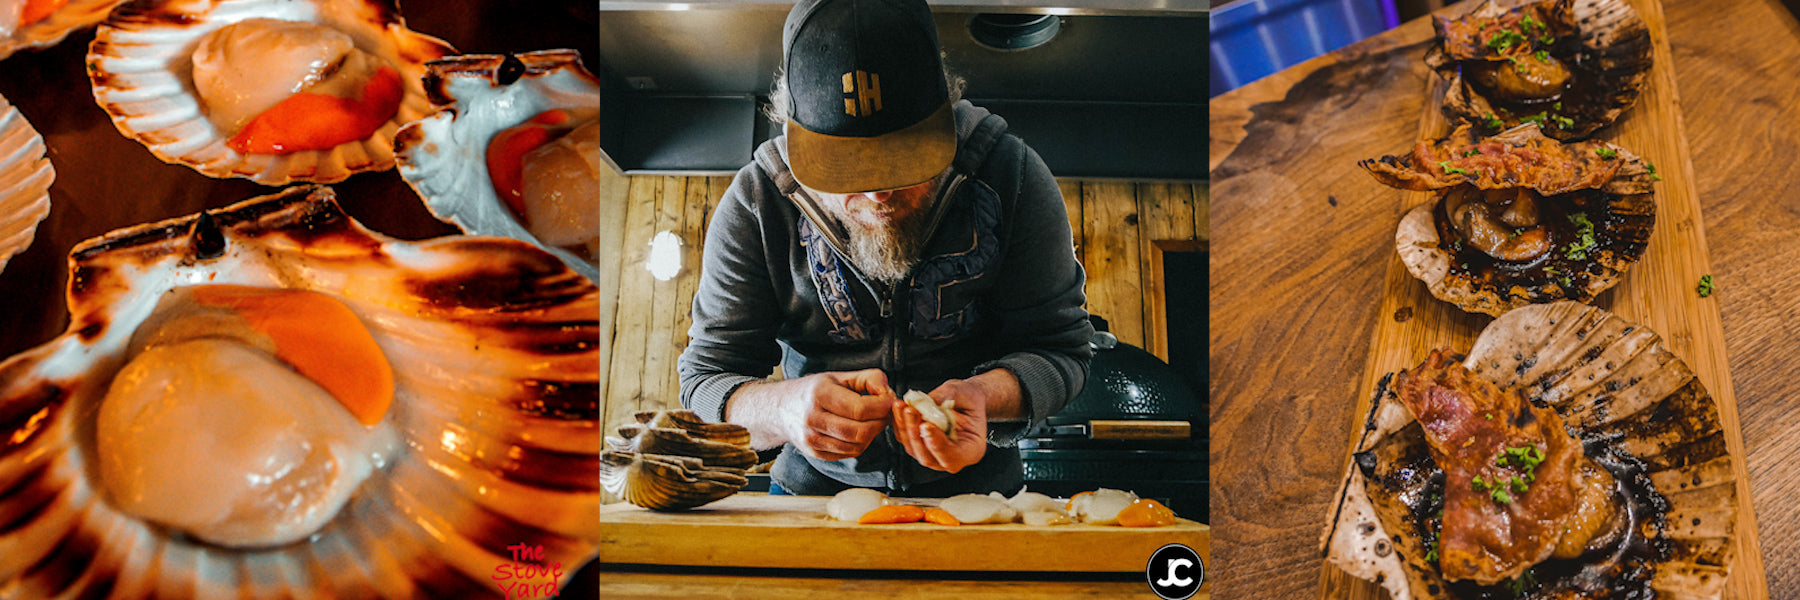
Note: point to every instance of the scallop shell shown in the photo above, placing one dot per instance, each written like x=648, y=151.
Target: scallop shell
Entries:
x=493, y=345
x=25, y=177
x=444, y=156
x=1611, y=50
x=1622, y=210
x=77, y=14
x=674, y=460
x=140, y=66
x=1615, y=384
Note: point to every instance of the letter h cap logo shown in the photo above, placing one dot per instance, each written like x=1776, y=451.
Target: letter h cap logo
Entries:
x=866, y=88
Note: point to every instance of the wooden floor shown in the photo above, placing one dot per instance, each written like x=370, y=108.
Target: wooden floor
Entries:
x=1119, y=229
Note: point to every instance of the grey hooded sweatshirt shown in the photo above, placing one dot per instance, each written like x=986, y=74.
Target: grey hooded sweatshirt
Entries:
x=997, y=286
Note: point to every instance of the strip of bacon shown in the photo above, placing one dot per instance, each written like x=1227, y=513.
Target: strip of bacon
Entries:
x=1520, y=157
x=1502, y=513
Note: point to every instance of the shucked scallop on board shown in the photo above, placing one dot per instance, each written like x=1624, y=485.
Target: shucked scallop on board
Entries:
x=492, y=346
x=275, y=91
x=457, y=159
x=1632, y=404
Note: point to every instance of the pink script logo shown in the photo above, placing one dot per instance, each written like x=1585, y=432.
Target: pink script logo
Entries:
x=528, y=575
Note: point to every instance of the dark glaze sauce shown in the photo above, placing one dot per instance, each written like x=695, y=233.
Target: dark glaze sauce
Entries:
x=1552, y=275
x=1621, y=571
x=1592, y=90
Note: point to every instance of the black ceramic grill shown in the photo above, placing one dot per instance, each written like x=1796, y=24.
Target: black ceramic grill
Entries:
x=1136, y=425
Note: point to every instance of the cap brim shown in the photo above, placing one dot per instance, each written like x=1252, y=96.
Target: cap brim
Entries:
x=844, y=165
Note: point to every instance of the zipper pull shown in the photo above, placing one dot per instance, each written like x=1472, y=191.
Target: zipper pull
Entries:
x=887, y=307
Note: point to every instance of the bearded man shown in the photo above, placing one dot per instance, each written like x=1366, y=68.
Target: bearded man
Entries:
x=894, y=239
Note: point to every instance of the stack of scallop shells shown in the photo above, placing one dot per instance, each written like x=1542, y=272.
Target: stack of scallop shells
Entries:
x=673, y=460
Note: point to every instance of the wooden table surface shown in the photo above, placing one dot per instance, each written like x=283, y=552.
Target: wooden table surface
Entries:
x=1304, y=239
x=753, y=545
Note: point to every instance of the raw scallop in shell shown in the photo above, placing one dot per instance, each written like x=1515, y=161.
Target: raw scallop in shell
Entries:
x=32, y=24
x=673, y=460
x=1569, y=66
x=1636, y=410
x=1520, y=218
x=446, y=157
x=492, y=345
x=188, y=79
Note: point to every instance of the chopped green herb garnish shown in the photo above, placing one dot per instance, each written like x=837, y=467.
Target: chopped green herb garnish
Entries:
x=1547, y=39
x=1566, y=284
x=1537, y=118
x=1505, y=39
x=1502, y=497
x=1653, y=174
x=1705, y=288
x=1472, y=152
x=1606, y=152
x=1557, y=106
x=1528, y=21
x=1578, y=249
x=1445, y=165
x=1494, y=122
x=1542, y=56
x=1562, y=121
x=1525, y=581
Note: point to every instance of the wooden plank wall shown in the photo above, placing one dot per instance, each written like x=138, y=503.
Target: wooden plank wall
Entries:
x=1115, y=225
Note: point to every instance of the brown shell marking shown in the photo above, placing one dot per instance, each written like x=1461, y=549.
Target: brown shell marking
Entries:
x=1610, y=55
x=1620, y=390
x=499, y=69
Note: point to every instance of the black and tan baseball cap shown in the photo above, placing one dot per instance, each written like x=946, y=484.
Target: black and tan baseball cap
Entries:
x=868, y=106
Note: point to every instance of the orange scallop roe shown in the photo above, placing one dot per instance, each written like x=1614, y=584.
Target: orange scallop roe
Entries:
x=38, y=10
x=940, y=517
x=307, y=121
x=506, y=155
x=320, y=338
x=892, y=513
x=1071, y=504
x=1146, y=513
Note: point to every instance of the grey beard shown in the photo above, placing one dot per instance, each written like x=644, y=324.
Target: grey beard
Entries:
x=887, y=254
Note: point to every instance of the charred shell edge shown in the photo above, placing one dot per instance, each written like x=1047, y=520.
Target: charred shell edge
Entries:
x=1607, y=377
x=1611, y=29
x=1629, y=200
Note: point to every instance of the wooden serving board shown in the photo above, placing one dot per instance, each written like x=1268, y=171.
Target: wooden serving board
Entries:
x=1659, y=291
x=792, y=532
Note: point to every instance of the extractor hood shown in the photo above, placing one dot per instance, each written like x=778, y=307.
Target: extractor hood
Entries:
x=1113, y=90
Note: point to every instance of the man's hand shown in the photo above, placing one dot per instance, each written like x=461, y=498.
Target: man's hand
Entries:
x=829, y=416
x=929, y=445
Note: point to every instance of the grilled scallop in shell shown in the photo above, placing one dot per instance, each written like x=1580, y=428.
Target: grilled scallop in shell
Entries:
x=1569, y=66
x=1634, y=409
x=673, y=460
x=1520, y=218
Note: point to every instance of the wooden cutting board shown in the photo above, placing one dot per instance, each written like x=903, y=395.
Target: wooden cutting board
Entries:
x=792, y=532
x=1659, y=291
